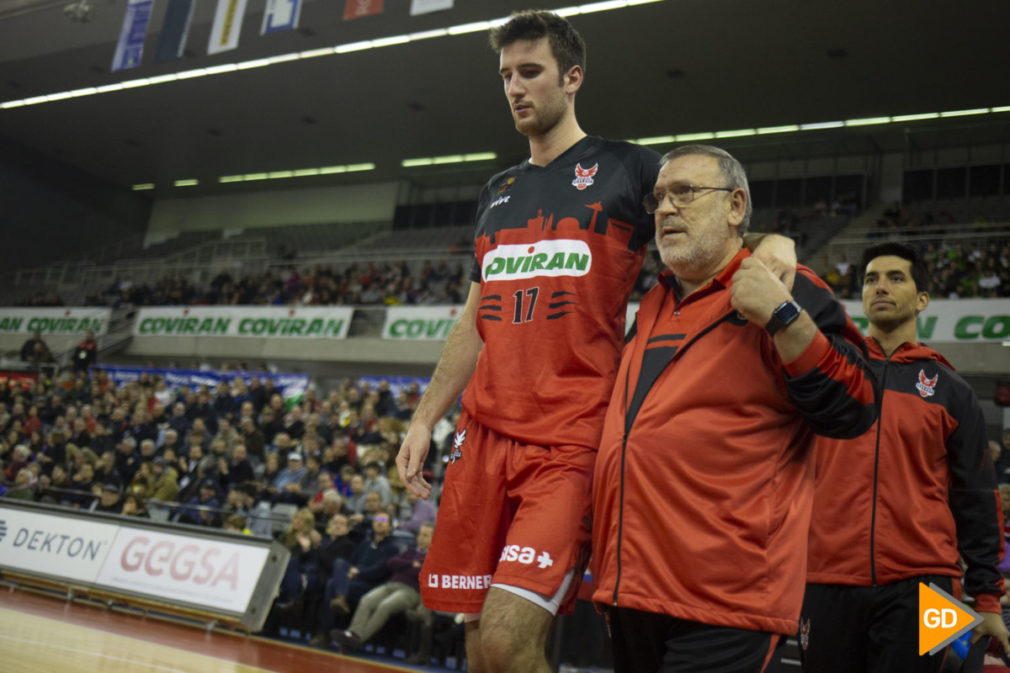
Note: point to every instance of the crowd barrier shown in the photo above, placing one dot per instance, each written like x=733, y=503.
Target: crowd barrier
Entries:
x=212, y=573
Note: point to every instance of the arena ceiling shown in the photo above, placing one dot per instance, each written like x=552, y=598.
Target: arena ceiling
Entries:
x=668, y=67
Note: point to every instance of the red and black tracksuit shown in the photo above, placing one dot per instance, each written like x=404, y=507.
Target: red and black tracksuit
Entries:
x=704, y=476
x=898, y=505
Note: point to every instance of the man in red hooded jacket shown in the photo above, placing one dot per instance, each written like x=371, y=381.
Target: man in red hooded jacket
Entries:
x=901, y=503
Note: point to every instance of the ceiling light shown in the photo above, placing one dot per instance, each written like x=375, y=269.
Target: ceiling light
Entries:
x=604, y=6
x=965, y=113
x=190, y=74
x=739, y=133
x=188, y=182
x=914, y=118
x=390, y=41
x=218, y=69
x=143, y=187
x=469, y=27
x=256, y=63
x=821, y=125
x=312, y=53
x=353, y=46
x=426, y=34
x=691, y=137
x=656, y=140
x=788, y=128
x=867, y=121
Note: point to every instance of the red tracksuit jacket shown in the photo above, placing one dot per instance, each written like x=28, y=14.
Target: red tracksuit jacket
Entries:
x=704, y=477
x=916, y=491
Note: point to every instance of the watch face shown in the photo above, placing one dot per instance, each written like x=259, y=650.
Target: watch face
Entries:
x=783, y=316
x=788, y=312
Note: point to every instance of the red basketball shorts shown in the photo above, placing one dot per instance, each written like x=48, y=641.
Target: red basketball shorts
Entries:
x=511, y=513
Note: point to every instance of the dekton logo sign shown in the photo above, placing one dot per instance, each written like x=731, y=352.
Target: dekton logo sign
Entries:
x=561, y=257
x=57, y=543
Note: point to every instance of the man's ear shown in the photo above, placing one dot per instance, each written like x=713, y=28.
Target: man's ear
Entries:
x=573, y=79
x=737, y=207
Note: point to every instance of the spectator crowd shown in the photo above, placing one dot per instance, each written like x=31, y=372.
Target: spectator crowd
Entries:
x=957, y=270
x=389, y=284
x=316, y=474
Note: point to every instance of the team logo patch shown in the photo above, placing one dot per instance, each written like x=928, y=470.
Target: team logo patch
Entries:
x=584, y=176
x=804, y=633
x=926, y=386
x=505, y=186
x=457, y=444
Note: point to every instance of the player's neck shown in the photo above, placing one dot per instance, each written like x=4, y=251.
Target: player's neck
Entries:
x=891, y=340
x=549, y=146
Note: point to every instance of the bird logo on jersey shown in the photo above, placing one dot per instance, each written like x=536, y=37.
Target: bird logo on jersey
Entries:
x=457, y=444
x=926, y=386
x=584, y=176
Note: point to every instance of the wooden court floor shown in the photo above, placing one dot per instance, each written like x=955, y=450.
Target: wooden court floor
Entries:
x=39, y=634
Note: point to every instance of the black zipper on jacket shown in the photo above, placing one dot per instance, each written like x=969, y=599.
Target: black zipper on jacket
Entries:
x=876, y=468
x=620, y=511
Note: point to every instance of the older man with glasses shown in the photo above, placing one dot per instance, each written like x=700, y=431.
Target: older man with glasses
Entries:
x=703, y=485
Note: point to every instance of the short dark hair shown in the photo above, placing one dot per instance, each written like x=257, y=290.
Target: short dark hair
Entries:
x=919, y=273
x=567, y=46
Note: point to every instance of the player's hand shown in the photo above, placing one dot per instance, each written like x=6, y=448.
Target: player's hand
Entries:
x=756, y=292
x=410, y=460
x=779, y=254
x=992, y=625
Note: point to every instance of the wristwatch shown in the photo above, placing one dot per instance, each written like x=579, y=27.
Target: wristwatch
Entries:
x=783, y=316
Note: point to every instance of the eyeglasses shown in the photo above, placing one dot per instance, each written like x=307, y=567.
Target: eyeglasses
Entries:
x=383, y=519
x=679, y=195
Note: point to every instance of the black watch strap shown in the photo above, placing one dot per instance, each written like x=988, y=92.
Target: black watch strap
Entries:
x=783, y=316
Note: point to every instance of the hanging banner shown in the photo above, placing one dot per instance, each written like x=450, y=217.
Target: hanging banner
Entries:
x=355, y=9
x=130, y=47
x=420, y=322
x=76, y=321
x=290, y=385
x=944, y=321
x=174, y=30
x=953, y=320
x=428, y=6
x=281, y=15
x=303, y=322
x=227, y=26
